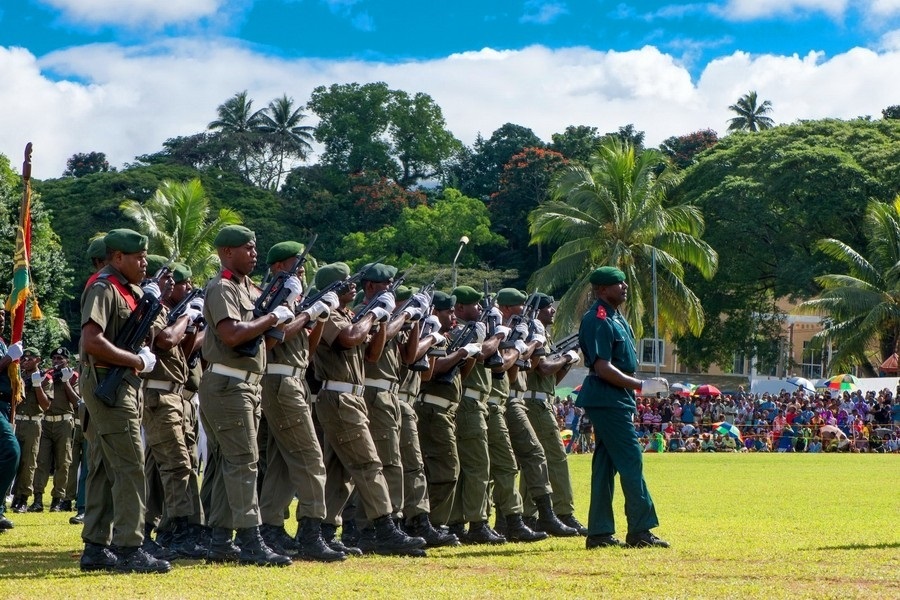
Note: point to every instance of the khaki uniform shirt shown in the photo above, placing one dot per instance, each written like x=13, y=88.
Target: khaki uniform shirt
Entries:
x=170, y=364
x=230, y=297
x=479, y=378
x=335, y=364
x=59, y=400
x=29, y=406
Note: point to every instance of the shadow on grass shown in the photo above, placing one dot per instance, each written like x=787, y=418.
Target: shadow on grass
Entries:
x=34, y=564
x=881, y=546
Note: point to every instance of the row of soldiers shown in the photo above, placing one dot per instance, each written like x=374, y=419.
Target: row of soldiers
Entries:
x=423, y=406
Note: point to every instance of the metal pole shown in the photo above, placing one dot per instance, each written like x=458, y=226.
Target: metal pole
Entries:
x=655, y=316
x=462, y=242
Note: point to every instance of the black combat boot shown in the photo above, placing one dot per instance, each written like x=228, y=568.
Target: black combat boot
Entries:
x=459, y=530
x=517, y=531
x=350, y=533
x=221, y=548
x=97, y=557
x=55, y=505
x=548, y=521
x=136, y=560
x=499, y=523
x=420, y=526
x=310, y=544
x=38, y=504
x=278, y=540
x=571, y=521
x=366, y=542
x=328, y=534
x=254, y=550
x=154, y=548
x=183, y=543
x=20, y=504
x=480, y=533
x=65, y=505
x=390, y=540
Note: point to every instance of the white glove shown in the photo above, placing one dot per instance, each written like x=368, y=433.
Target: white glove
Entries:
x=421, y=300
x=495, y=315
x=472, y=349
x=152, y=289
x=331, y=299
x=539, y=328
x=36, y=379
x=521, y=346
x=197, y=304
x=67, y=373
x=319, y=310
x=573, y=356
x=283, y=314
x=413, y=311
x=522, y=330
x=432, y=322
x=503, y=331
x=656, y=385
x=149, y=359
x=295, y=286
x=15, y=351
x=480, y=332
x=192, y=314
x=387, y=302
x=437, y=338
x=381, y=314
x=538, y=337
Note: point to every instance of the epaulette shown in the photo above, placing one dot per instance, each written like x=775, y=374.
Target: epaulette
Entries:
x=601, y=312
x=228, y=274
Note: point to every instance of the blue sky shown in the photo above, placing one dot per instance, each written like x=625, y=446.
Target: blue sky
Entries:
x=121, y=76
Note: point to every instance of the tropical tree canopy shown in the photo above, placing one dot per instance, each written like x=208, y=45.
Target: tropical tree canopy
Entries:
x=751, y=116
x=614, y=212
x=862, y=304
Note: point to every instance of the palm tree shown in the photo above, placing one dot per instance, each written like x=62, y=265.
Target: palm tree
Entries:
x=612, y=213
x=750, y=116
x=281, y=121
x=239, y=123
x=864, y=304
x=176, y=219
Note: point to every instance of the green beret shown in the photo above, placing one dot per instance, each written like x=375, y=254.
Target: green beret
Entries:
x=180, y=272
x=96, y=249
x=61, y=351
x=283, y=251
x=443, y=301
x=402, y=293
x=358, y=298
x=379, y=273
x=606, y=276
x=328, y=274
x=510, y=297
x=155, y=262
x=31, y=351
x=232, y=236
x=543, y=300
x=467, y=295
x=125, y=240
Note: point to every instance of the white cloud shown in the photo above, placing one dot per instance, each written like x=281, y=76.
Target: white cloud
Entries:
x=542, y=12
x=745, y=10
x=137, y=13
x=126, y=102
x=884, y=8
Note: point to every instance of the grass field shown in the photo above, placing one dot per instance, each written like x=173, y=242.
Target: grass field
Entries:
x=741, y=526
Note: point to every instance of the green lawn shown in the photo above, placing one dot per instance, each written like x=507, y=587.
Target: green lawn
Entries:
x=741, y=526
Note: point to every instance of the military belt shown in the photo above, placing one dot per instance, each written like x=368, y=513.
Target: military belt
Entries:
x=383, y=384
x=240, y=374
x=516, y=396
x=286, y=370
x=540, y=396
x=496, y=400
x=474, y=394
x=36, y=418
x=343, y=387
x=436, y=400
x=163, y=386
x=406, y=397
x=58, y=418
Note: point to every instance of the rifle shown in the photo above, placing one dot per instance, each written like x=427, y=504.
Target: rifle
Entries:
x=392, y=288
x=336, y=287
x=422, y=364
x=427, y=289
x=464, y=336
x=570, y=342
x=487, y=303
x=132, y=337
x=527, y=316
x=274, y=294
x=180, y=308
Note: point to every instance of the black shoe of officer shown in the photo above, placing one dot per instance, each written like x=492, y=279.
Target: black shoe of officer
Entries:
x=480, y=533
x=605, y=540
x=65, y=505
x=5, y=524
x=571, y=521
x=78, y=518
x=182, y=540
x=278, y=540
x=97, y=557
x=391, y=541
x=328, y=534
x=420, y=526
x=137, y=560
x=644, y=539
x=37, y=506
x=311, y=546
x=55, y=505
x=517, y=531
x=221, y=547
x=548, y=521
x=254, y=550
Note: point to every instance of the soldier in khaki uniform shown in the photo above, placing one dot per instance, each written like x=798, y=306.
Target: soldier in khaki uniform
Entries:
x=115, y=489
x=29, y=417
x=519, y=436
x=351, y=455
x=57, y=432
x=168, y=462
x=229, y=400
x=546, y=372
x=295, y=465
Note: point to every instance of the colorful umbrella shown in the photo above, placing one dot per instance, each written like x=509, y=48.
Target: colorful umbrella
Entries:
x=576, y=390
x=803, y=384
x=726, y=428
x=843, y=382
x=682, y=387
x=707, y=390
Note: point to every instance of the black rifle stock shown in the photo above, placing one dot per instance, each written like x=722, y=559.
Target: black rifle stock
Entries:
x=570, y=342
x=180, y=308
x=370, y=305
x=466, y=335
x=131, y=338
x=487, y=303
x=274, y=294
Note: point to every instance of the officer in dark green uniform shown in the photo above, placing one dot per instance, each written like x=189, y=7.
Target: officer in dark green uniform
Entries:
x=607, y=395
